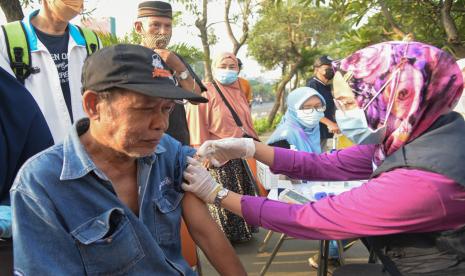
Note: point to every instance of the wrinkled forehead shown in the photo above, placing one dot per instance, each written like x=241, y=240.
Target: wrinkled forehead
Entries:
x=136, y=99
x=150, y=20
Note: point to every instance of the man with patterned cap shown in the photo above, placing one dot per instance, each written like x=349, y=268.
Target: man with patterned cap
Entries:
x=154, y=24
x=108, y=200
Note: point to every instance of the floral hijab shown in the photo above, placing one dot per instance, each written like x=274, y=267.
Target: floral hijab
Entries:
x=424, y=83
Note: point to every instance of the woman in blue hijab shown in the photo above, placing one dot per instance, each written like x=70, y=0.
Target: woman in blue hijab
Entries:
x=299, y=128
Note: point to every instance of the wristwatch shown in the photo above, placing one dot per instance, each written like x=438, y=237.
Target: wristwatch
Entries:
x=184, y=75
x=222, y=193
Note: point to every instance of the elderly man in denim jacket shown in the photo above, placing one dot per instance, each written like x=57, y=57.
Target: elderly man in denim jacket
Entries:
x=108, y=199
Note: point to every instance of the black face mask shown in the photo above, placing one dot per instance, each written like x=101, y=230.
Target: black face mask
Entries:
x=329, y=73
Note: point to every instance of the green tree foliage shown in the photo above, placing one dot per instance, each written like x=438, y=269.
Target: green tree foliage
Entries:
x=436, y=22
x=191, y=54
x=199, y=9
x=262, y=126
x=384, y=20
x=264, y=89
x=290, y=35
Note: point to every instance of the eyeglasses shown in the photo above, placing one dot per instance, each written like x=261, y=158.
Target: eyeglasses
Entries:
x=310, y=110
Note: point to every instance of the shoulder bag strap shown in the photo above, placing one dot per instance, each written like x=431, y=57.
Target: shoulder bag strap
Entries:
x=233, y=113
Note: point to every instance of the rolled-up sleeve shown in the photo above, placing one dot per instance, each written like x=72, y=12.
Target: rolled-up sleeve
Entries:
x=353, y=163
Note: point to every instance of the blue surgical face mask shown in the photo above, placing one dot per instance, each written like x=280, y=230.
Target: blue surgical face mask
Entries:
x=353, y=124
x=225, y=76
x=309, y=118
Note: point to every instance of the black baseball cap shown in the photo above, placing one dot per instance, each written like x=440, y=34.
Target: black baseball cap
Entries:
x=135, y=68
x=323, y=60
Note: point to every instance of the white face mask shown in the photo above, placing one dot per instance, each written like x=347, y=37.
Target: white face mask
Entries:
x=309, y=118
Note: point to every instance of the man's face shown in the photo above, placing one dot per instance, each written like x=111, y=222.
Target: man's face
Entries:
x=155, y=31
x=158, y=25
x=132, y=123
x=321, y=70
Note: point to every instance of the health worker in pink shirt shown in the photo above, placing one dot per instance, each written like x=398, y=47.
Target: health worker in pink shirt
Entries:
x=395, y=101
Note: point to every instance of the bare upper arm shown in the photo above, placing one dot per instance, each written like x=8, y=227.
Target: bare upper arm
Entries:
x=196, y=215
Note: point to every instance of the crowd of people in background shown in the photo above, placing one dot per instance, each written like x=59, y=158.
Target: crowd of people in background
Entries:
x=105, y=150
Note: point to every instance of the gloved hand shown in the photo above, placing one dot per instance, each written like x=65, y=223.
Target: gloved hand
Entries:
x=200, y=182
x=221, y=151
x=5, y=221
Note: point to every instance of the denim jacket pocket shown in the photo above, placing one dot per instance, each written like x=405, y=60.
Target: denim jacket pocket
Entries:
x=108, y=243
x=168, y=215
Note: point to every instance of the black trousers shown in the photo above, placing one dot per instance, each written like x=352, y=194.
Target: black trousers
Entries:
x=6, y=257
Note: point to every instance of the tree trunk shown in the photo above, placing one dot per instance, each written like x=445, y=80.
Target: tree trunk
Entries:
x=296, y=81
x=280, y=90
x=201, y=24
x=450, y=28
x=12, y=10
x=395, y=27
x=237, y=44
x=282, y=104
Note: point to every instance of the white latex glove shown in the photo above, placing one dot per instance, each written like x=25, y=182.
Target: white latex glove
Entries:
x=200, y=182
x=218, y=152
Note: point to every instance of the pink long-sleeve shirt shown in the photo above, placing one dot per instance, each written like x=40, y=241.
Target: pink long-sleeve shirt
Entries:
x=398, y=201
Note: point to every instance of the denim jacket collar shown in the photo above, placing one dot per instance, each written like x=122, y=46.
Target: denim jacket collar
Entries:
x=77, y=162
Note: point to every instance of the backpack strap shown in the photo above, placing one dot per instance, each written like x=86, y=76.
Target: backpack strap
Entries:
x=18, y=49
x=91, y=38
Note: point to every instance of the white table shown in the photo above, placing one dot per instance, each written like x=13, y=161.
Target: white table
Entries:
x=312, y=190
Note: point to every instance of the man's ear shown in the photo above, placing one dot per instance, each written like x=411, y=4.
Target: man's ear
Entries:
x=90, y=100
x=138, y=26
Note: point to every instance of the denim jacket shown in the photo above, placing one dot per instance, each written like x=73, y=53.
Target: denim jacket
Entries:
x=67, y=219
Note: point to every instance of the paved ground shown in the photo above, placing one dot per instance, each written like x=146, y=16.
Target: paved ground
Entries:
x=291, y=260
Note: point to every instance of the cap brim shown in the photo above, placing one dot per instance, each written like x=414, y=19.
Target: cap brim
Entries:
x=165, y=91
